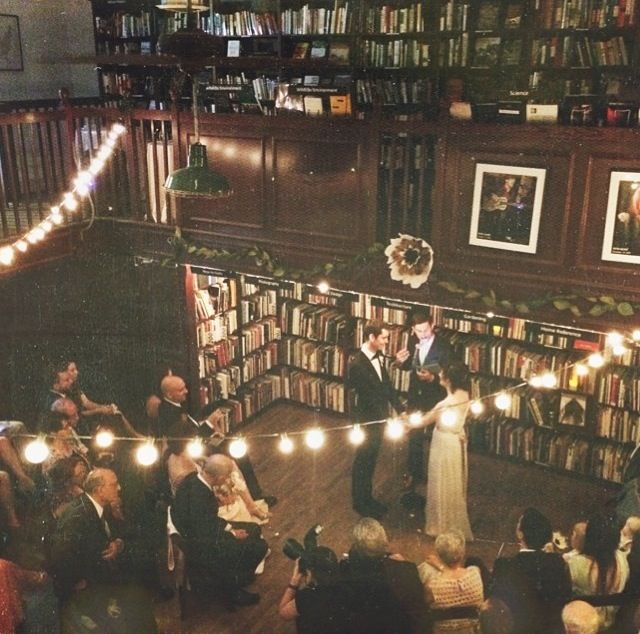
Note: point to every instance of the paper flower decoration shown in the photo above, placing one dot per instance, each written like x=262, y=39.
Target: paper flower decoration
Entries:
x=410, y=260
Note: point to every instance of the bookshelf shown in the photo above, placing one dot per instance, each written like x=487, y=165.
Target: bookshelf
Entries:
x=286, y=340
x=403, y=57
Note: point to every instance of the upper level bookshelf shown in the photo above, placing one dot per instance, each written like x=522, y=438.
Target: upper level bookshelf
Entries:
x=345, y=57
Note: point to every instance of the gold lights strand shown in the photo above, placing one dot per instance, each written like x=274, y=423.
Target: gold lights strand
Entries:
x=70, y=202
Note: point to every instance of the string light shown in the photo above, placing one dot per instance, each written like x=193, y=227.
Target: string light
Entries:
x=477, y=407
x=595, y=360
x=21, y=245
x=581, y=369
x=536, y=381
x=449, y=417
x=285, y=445
x=314, y=438
x=46, y=225
x=147, y=454
x=356, y=435
x=503, y=400
x=549, y=380
x=104, y=438
x=238, y=448
x=635, y=335
x=195, y=448
x=7, y=254
x=415, y=418
x=36, y=451
x=395, y=429
x=323, y=286
x=70, y=201
x=615, y=339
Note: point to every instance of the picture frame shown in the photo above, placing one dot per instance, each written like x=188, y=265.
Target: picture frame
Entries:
x=621, y=241
x=506, y=207
x=10, y=43
x=573, y=409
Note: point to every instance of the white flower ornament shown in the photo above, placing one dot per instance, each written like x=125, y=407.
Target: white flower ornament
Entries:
x=410, y=260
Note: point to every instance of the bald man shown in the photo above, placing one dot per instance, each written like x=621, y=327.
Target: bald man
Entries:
x=580, y=617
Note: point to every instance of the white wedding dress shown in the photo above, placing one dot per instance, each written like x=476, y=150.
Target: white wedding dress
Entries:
x=447, y=471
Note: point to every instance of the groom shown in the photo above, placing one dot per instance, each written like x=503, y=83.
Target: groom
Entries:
x=375, y=400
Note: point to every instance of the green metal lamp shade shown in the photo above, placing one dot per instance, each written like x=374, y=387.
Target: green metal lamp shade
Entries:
x=197, y=179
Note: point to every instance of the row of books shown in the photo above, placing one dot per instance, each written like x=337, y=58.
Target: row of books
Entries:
x=395, y=91
x=454, y=15
x=618, y=424
x=258, y=362
x=261, y=392
x=117, y=47
x=312, y=390
x=116, y=83
x=212, y=302
x=215, y=329
x=124, y=25
x=220, y=385
x=579, y=52
x=620, y=388
x=584, y=14
x=232, y=416
x=239, y=24
x=400, y=53
x=319, y=323
x=316, y=20
x=222, y=290
x=454, y=51
x=258, y=305
x=393, y=19
x=218, y=356
x=313, y=357
x=259, y=333
x=600, y=458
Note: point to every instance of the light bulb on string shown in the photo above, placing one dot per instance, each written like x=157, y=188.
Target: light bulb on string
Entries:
x=104, y=438
x=395, y=429
x=415, y=418
x=536, y=381
x=491, y=315
x=595, y=360
x=82, y=191
x=36, y=451
x=22, y=246
x=635, y=335
x=7, y=254
x=449, y=417
x=38, y=233
x=56, y=216
x=314, y=438
x=103, y=153
x=46, y=225
x=118, y=128
x=614, y=339
x=31, y=238
x=84, y=178
x=582, y=369
x=96, y=166
x=503, y=401
x=195, y=448
x=477, y=407
x=70, y=201
x=147, y=454
x=618, y=350
x=323, y=286
x=285, y=445
x=549, y=380
x=238, y=448
x=356, y=435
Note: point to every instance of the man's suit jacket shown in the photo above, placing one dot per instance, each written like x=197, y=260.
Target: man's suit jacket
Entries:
x=77, y=546
x=424, y=395
x=373, y=396
x=175, y=422
x=534, y=585
x=195, y=514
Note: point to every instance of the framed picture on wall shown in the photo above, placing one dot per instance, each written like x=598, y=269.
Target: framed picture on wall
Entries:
x=622, y=225
x=507, y=201
x=10, y=46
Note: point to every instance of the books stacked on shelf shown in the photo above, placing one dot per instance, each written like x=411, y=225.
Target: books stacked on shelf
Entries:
x=319, y=323
x=313, y=357
x=260, y=361
x=454, y=15
x=261, y=392
x=222, y=291
x=393, y=19
x=618, y=424
x=123, y=25
x=231, y=416
x=454, y=51
x=560, y=14
x=314, y=391
x=220, y=384
x=620, y=388
x=399, y=378
x=256, y=305
x=257, y=334
x=398, y=53
x=216, y=356
x=317, y=20
x=579, y=51
x=239, y=24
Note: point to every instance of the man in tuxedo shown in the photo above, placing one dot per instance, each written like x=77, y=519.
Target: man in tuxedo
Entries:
x=218, y=554
x=89, y=563
x=534, y=584
x=175, y=422
x=375, y=400
x=426, y=352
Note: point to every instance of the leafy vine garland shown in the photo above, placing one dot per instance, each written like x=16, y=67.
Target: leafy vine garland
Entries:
x=576, y=303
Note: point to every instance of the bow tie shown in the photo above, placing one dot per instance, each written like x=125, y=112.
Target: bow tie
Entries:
x=379, y=355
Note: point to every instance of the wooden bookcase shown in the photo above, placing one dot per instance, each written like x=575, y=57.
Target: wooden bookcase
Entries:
x=404, y=57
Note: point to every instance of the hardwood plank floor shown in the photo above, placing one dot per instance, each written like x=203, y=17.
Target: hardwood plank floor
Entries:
x=314, y=487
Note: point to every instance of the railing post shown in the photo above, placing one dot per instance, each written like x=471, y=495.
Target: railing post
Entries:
x=176, y=140
x=132, y=152
x=67, y=108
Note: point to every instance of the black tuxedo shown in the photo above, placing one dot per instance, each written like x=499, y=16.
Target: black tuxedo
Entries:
x=212, y=551
x=374, y=397
x=422, y=397
x=534, y=585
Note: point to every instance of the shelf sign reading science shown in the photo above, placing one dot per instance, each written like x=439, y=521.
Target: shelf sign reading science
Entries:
x=507, y=201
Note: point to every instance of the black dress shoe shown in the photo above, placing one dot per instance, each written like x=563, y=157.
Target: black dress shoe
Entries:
x=242, y=598
x=271, y=500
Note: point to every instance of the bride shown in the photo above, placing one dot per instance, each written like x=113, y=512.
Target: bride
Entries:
x=446, y=507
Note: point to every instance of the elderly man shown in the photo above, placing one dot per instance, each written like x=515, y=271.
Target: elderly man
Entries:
x=219, y=555
x=580, y=617
x=88, y=566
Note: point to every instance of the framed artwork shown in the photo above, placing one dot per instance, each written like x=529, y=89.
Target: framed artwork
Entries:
x=573, y=409
x=622, y=225
x=507, y=201
x=10, y=46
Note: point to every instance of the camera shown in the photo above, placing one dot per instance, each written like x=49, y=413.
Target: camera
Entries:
x=293, y=549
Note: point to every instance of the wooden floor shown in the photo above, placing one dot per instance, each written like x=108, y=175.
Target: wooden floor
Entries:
x=314, y=487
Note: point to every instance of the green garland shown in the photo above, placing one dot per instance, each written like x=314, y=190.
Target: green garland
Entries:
x=576, y=303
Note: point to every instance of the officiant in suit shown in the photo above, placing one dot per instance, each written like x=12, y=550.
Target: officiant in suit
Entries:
x=423, y=357
x=375, y=400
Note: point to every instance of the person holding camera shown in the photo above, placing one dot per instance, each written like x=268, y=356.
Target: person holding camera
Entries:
x=315, y=596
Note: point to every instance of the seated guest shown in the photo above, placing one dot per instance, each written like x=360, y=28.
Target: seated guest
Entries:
x=533, y=584
x=61, y=424
x=64, y=482
x=601, y=568
x=576, y=540
x=630, y=529
x=89, y=563
x=179, y=462
x=384, y=592
x=315, y=596
x=580, y=617
x=454, y=585
x=219, y=554
x=60, y=385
